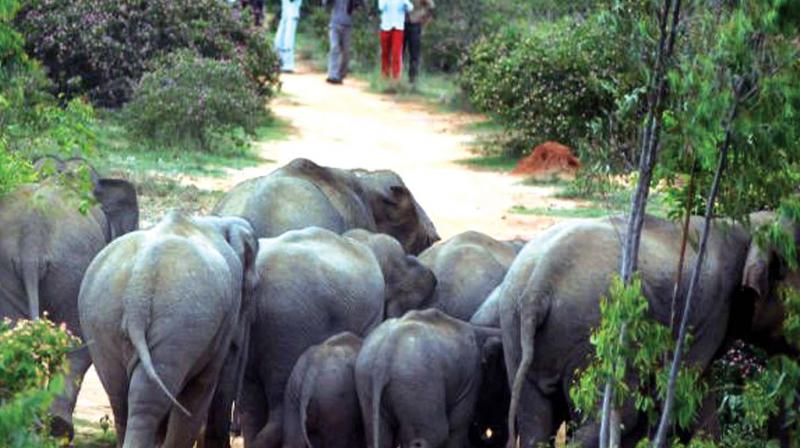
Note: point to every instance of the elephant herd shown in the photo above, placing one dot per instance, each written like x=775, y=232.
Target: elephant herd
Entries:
x=313, y=309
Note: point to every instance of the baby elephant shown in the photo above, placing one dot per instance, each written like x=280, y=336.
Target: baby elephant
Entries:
x=160, y=309
x=321, y=402
x=419, y=378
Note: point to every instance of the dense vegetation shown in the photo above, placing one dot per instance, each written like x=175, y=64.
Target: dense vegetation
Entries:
x=33, y=362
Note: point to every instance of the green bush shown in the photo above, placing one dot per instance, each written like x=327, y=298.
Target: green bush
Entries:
x=31, y=120
x=33, y=361
x=549, y=82
x=103, y=47
x=191, y=100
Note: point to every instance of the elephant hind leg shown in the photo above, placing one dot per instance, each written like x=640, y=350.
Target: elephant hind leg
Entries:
x=537, y=420
x=148, y=407
x=64, y=404
x=252, y=406
x=272, y=434
x=196, y=396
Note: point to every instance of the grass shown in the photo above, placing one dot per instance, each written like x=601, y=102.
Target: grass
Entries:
x=92, y=435
x=120, y=151
x=439, y=89
x=575, y=212
x=500, y=162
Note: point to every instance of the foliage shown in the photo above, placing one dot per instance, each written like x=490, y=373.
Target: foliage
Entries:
x=32, y=121
x=103, y=47
x=32, y=365
x=191, y=99
x=640, y=376
x=551, y=81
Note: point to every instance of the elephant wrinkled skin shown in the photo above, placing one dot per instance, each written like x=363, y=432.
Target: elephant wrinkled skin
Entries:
x=468, y=267
x=321, y=401
x=46, y=244
x=549, y=305
x=160, y=310
x=303, y=194
x=419, y=378
x=314, y=284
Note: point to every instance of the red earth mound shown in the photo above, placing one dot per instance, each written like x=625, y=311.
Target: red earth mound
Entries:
x=550, y=159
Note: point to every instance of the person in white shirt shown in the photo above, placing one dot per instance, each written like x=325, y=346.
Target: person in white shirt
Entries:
x=284, y=38
x=393, y=18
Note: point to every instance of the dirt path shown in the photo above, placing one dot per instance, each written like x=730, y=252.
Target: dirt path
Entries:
x=345, y=126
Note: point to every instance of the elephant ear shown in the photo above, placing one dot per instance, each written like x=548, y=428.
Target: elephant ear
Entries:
x=119, y=203
x=756, y=271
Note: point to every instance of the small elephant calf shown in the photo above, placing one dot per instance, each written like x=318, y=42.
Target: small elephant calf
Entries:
x=321, y=405
x=419, y=379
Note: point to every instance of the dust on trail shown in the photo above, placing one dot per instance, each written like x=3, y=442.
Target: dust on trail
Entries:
x=348, y=127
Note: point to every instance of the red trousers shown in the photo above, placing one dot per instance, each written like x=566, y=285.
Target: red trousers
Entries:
x=392, y=52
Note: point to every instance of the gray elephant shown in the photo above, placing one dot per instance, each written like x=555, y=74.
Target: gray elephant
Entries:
x=313, y=285
x=160, y=310
x=468, y=267
x=419, y=378
x=321, y=404
x=549, y=305
x=303, y=194
x=46, y=244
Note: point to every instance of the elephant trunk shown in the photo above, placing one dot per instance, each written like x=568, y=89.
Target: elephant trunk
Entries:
x=32, y=271
x=527, y=333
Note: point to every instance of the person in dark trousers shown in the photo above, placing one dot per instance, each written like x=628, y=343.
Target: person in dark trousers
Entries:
x=340, y=27
x=412, y=39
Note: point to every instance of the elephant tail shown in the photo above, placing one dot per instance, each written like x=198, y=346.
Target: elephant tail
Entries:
x=140, y=344
x=32, y=271
x=306, y=392
x=528, y=322
x=137, y=302
x=378, y=384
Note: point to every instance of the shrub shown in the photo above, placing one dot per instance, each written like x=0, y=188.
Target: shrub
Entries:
x=33, y=358
x=549, y=82
x=192, y=100
x=31, y=120
x=103, y=47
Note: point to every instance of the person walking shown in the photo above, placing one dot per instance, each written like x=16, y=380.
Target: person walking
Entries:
x=287, y=29
x=412, y=35
x=340, y=27
x=393, y=19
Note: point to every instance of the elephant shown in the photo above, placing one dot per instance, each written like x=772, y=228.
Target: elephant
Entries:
x=468, y=267
x=160, y=309
x=549, y=304
x=303, y=194
x=321, y=401
x=314, y=284
x=46, y=244
x=419, y=377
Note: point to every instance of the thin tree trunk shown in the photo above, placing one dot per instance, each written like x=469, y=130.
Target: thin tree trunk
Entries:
x=668, y=26
x=660, y=439
x=684, y=240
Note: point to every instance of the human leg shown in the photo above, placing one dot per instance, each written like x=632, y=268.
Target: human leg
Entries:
x=386, y=41
x=397, y=52
x=413, y=39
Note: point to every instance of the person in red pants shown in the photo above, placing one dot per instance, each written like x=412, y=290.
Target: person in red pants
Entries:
x=393, y=17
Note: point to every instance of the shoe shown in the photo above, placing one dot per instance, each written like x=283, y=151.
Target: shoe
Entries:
x=333, y=81
x=287, y=70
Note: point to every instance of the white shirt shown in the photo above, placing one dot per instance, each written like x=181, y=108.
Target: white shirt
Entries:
x=291, y=9
x=393, y=13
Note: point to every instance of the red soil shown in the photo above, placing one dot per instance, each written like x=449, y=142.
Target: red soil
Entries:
x=550, y=159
